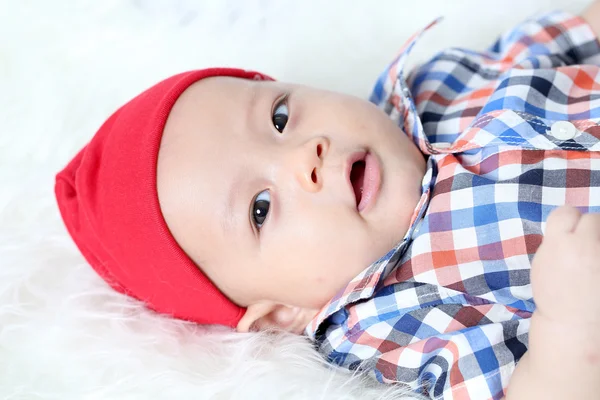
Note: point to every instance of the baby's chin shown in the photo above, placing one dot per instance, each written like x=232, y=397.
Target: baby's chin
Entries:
x=392, y=224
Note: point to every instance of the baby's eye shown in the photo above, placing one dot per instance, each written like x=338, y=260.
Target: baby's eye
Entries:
x=280, y=115
x=260, y=208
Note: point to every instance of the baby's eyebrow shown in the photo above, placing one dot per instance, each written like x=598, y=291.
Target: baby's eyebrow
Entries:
x=251, y=109
x=229, y=222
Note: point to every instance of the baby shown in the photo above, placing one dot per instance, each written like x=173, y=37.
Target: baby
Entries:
x=398, y=234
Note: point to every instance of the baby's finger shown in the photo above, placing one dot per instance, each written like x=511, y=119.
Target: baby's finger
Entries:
x=562, y=220
x=589, y=225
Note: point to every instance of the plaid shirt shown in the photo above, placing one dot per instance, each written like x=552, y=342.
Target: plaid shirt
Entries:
x=510, y=134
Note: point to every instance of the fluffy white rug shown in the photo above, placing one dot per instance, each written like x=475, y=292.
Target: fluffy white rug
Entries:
x=64, y=66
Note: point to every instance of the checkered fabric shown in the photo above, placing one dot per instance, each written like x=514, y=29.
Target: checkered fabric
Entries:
x=447, y=311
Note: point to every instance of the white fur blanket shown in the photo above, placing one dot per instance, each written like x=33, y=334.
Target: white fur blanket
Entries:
x=64, y=66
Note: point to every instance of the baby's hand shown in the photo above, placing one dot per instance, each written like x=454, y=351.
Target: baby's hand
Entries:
x=563, y=360
x=565, y=273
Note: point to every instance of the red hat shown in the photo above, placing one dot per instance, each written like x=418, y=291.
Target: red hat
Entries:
x=109, y=202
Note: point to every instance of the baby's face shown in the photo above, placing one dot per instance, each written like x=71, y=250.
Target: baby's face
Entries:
x=260, y=182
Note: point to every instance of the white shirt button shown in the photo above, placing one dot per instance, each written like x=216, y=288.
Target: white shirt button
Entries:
x=441, y=145
x=563, y=130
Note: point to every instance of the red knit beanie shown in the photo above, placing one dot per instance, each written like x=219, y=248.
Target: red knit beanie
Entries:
x=109, y=202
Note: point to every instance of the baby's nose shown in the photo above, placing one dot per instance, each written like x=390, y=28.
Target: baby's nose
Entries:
x=309, y=164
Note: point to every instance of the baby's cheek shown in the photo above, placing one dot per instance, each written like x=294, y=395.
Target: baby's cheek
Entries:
x=320, y=281
x=328, y=282
x=319, y=290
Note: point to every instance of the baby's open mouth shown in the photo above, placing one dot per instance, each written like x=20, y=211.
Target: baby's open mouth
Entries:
x=364, y=175
x=357, y=178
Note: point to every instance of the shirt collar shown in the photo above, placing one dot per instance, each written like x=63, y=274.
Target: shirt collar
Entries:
x=392, y=94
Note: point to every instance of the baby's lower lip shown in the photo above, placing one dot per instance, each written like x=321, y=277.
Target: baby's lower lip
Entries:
x=371, y=183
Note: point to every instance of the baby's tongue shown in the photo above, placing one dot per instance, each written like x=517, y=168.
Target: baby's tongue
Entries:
x=357, y=176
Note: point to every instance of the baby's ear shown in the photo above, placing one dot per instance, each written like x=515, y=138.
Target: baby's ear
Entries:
x=266, y=315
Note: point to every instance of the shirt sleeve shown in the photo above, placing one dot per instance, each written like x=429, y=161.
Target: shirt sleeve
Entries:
x=563, y=38
x=449, y=351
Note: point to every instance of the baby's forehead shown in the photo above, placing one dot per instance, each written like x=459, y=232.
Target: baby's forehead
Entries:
x=204, y=109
